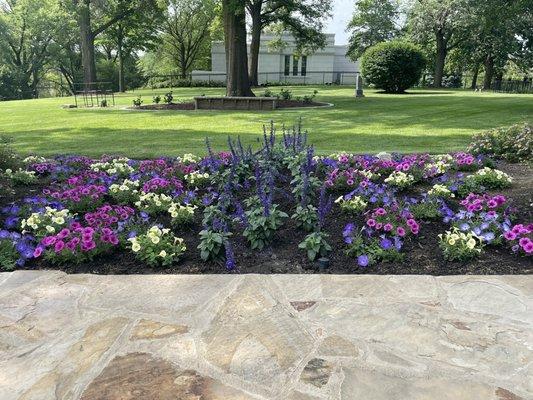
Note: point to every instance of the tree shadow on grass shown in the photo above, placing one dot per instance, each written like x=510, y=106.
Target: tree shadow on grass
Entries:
x=150, y=143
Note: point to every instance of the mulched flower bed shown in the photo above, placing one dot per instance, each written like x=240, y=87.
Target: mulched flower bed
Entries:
x=277, y=210
x=281, y=104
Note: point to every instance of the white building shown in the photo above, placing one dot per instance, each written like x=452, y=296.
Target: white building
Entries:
x=325, y=66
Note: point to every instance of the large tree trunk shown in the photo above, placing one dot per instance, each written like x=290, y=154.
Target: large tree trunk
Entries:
x=474, y=77
x=120, y=45
x=87, y=44
x=440, y=59
x=237, y=83
x=489, y=72
x=255, y=13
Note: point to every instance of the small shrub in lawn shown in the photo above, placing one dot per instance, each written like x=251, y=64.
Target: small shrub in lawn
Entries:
x=285, y=94
x=158, y=247
x=137, y=102
x=393, y=66
x=514, y=143
x=168, y=97
x=460, y=246
x=156, y=99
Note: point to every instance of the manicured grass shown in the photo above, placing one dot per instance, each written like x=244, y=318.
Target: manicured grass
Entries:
x=425, y=120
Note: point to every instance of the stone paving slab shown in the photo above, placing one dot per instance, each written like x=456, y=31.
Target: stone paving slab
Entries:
x=241, y=337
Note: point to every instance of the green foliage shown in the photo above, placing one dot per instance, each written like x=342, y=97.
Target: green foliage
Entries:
x=427, y=210
x=212, y=244
x=285, y=94
x=157, y=99
x=138, y=101
x=8, y=255
x=514, y=143
x=168, y=97
x=393, y=66
x=316, y=245
x=371, y=249
x=21, y=177
x=306, y=217
x=261, y=228
x=9, y=159
x=373, y=22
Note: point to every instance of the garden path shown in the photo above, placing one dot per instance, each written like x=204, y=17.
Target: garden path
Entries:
x=236, y=337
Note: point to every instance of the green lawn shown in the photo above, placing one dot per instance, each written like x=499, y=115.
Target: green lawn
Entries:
x=425, y=120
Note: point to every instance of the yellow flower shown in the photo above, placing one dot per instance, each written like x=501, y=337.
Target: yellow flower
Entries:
x=136, y=247
x=163, y=254
x=451, y=242
x=471, y=243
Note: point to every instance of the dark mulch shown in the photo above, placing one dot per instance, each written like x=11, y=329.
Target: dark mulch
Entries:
x=190, y=106
x=422, y=254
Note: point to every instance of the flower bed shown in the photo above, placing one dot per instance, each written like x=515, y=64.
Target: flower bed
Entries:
x=281, y=209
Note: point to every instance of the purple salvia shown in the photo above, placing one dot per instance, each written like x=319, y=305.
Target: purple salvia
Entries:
x=324, y=206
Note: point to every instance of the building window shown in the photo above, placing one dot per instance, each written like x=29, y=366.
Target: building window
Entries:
x=287, y=65
x=295, y=60
x=304, y=66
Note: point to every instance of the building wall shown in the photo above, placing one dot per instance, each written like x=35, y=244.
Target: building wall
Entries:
x=323, y=66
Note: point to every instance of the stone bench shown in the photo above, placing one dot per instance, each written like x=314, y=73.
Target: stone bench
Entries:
x=235, y=103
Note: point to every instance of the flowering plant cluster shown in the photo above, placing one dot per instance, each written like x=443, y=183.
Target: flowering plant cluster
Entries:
x=491, y=178
x=520, y=238
x=352, y=204
x=116, y=166
x=514, y=143
x=47, y=222
x=93, y=207
x=440, y=191
x=81, y=197
x=76, y=244
x=460, y=246
x=15, y=250
x=127, y=192
x=154, y=203
x=20, y=176
x=400, y=179
x=158, y=247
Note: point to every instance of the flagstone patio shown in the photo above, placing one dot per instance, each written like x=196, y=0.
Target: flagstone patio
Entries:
x=236, y=337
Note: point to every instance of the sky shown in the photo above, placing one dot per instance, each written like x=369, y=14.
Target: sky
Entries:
x=342, y=13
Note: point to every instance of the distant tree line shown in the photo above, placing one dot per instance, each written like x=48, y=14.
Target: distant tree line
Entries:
x=66, y=42
x=459, y=37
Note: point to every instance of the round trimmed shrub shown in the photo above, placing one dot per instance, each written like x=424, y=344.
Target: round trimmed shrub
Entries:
x=393, y=66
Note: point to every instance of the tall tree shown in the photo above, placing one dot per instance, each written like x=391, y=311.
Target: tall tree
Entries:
x=107, y=13
x=234, y=21
x=304, y=19
x=136, y=32
x=28, y=27
x=373, y=21
x=187, y=29
x=441, y=24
